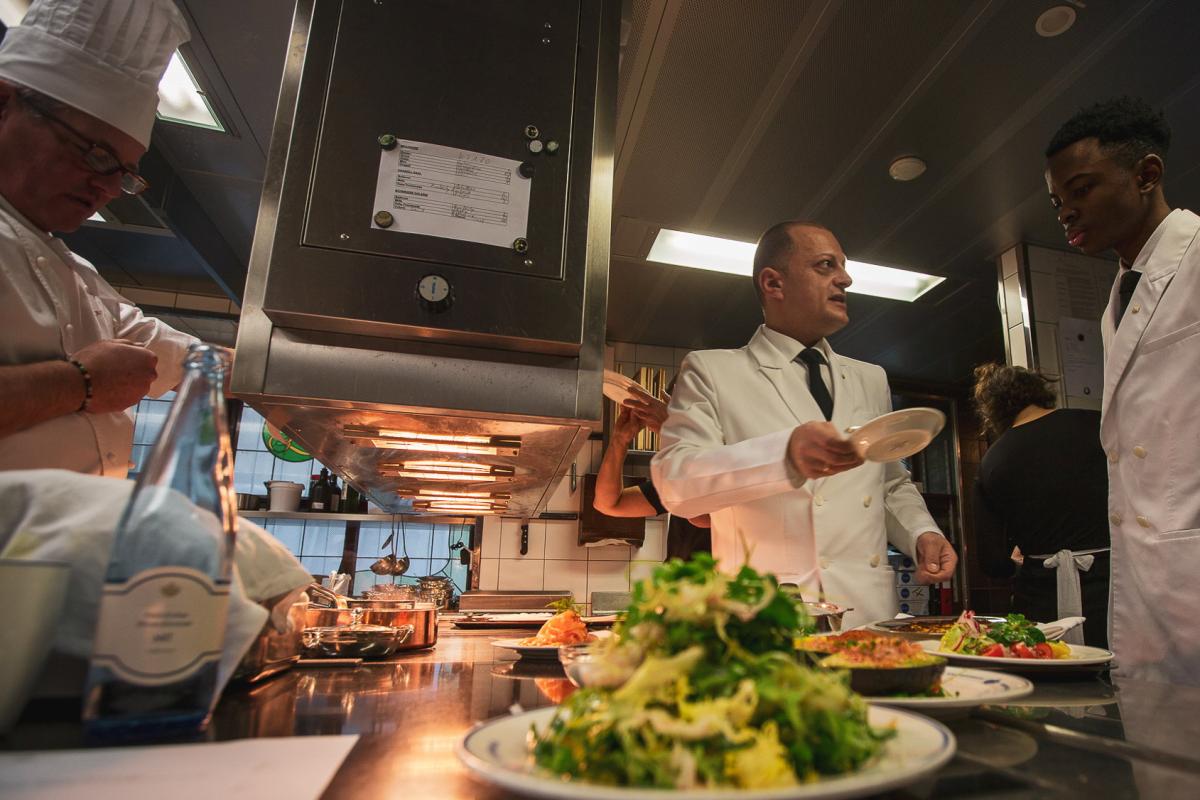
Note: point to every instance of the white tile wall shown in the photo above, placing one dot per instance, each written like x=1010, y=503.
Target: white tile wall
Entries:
x=556, y=561
x=520, y=573
x=562, y=541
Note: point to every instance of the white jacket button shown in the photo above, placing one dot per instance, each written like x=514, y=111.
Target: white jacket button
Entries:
x=1139, y=451
x=825, y=563
x=41, y=261
x=866, y=501
x=819, y=500
x=1112, y=457
x=1136, y=307
x=875, y=560
x=1115, y=519
x=1145, y=523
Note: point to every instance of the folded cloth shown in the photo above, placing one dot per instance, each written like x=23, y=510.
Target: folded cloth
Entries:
x=65, y=516
x=1058, y=629
x=1067, y=566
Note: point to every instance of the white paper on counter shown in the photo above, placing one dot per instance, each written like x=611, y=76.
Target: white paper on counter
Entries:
x=443, y=191
x=295, y=767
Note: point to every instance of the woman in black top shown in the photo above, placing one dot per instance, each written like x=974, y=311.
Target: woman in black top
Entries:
x=1042, y=488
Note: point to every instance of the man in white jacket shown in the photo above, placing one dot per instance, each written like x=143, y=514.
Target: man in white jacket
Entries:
x=754, y=438
x=78, y=94
x=1104, y=173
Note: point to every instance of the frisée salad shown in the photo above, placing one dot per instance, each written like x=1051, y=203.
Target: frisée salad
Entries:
x=707, y=693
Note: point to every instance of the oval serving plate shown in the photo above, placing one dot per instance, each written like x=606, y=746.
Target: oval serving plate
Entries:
x=1083, y=659
x=498, y=752
x=965, y=688
x=897, y=627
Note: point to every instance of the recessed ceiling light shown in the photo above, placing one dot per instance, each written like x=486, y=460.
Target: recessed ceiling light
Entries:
x=1055, y=21
x=906, y=168
x=737, y=258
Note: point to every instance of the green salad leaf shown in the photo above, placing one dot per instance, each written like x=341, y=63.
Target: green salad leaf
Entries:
x=714, y=696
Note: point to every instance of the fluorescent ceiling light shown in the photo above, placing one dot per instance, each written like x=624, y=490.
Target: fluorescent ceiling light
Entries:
x=180, y=98
x=737, y=258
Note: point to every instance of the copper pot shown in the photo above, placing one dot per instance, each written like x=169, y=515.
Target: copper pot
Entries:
x=274, y=651
x=422, y=617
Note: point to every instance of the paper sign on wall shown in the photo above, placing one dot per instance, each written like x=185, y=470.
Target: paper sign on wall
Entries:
x=443, y=191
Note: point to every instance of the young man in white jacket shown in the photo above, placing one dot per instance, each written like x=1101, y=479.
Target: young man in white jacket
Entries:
x=755, y=439
x=1104, y=172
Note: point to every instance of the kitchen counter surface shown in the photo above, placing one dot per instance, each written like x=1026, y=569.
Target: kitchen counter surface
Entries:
x=1070, y=738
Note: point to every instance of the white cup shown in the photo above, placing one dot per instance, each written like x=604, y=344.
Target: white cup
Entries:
x=39, y=589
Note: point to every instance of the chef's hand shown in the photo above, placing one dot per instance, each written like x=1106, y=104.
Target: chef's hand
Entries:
x=651, y=411
x=817, y=450
x=626, y=427
x=936, y=559
x=121, y=371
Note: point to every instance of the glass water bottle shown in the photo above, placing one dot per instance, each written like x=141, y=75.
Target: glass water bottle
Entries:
x=161, y=629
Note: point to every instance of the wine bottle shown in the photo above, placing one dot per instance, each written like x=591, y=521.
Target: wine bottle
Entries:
x=154, y=667
x=318, y=495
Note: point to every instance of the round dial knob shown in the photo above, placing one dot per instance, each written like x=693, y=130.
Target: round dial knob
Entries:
x=434, y=293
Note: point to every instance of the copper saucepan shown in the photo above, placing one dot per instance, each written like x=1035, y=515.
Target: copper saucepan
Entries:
x=422, y=617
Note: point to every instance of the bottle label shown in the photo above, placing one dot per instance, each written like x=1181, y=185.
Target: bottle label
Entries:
x=161, y=626
x=317, y=506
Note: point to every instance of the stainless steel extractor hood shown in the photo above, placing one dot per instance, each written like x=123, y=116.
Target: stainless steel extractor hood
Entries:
x=427, y=290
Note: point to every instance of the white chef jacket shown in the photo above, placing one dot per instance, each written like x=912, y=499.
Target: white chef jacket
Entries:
x=724, y=454
x=1150, y=430
x=53, y=303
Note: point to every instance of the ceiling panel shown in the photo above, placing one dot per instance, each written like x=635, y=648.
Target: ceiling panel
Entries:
x=716, y=61
x=968, y=86
x=866, y=57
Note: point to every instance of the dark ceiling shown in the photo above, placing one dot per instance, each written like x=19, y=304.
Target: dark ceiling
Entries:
x=733, y=116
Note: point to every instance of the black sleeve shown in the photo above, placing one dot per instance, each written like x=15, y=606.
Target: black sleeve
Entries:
x=991, y=541
x=651, y=494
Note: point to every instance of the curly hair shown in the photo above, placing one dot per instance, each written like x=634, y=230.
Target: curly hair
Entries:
x=1002, y=392
x=1127, y=127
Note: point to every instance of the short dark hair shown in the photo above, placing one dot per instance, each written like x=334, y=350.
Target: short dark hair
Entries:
x=1127, y=127
x=1002, y=392
x=775, y=245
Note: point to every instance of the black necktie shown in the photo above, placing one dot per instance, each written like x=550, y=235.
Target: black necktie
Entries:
x=1129, y=282
x=813, y=359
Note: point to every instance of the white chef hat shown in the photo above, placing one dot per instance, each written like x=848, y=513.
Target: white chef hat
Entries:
x=103, y=57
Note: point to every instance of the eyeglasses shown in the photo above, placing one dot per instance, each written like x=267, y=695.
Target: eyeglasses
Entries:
x=98, y=158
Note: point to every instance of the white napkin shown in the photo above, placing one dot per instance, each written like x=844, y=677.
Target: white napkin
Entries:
x=58, y=515
x=1056, y=630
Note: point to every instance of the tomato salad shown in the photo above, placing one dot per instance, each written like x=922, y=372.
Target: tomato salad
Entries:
x=1016, y=637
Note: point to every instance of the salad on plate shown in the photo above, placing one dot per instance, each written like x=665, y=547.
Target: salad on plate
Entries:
x=702, y=689
x=1015, y=637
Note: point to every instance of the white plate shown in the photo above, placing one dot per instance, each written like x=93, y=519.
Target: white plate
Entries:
x=537, y=651
x=618, y=388
x=897, y=435
x=965, y=688
x=1082, y=657
x=498, y=752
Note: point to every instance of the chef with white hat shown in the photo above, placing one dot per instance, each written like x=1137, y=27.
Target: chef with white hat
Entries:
x=78, y=94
